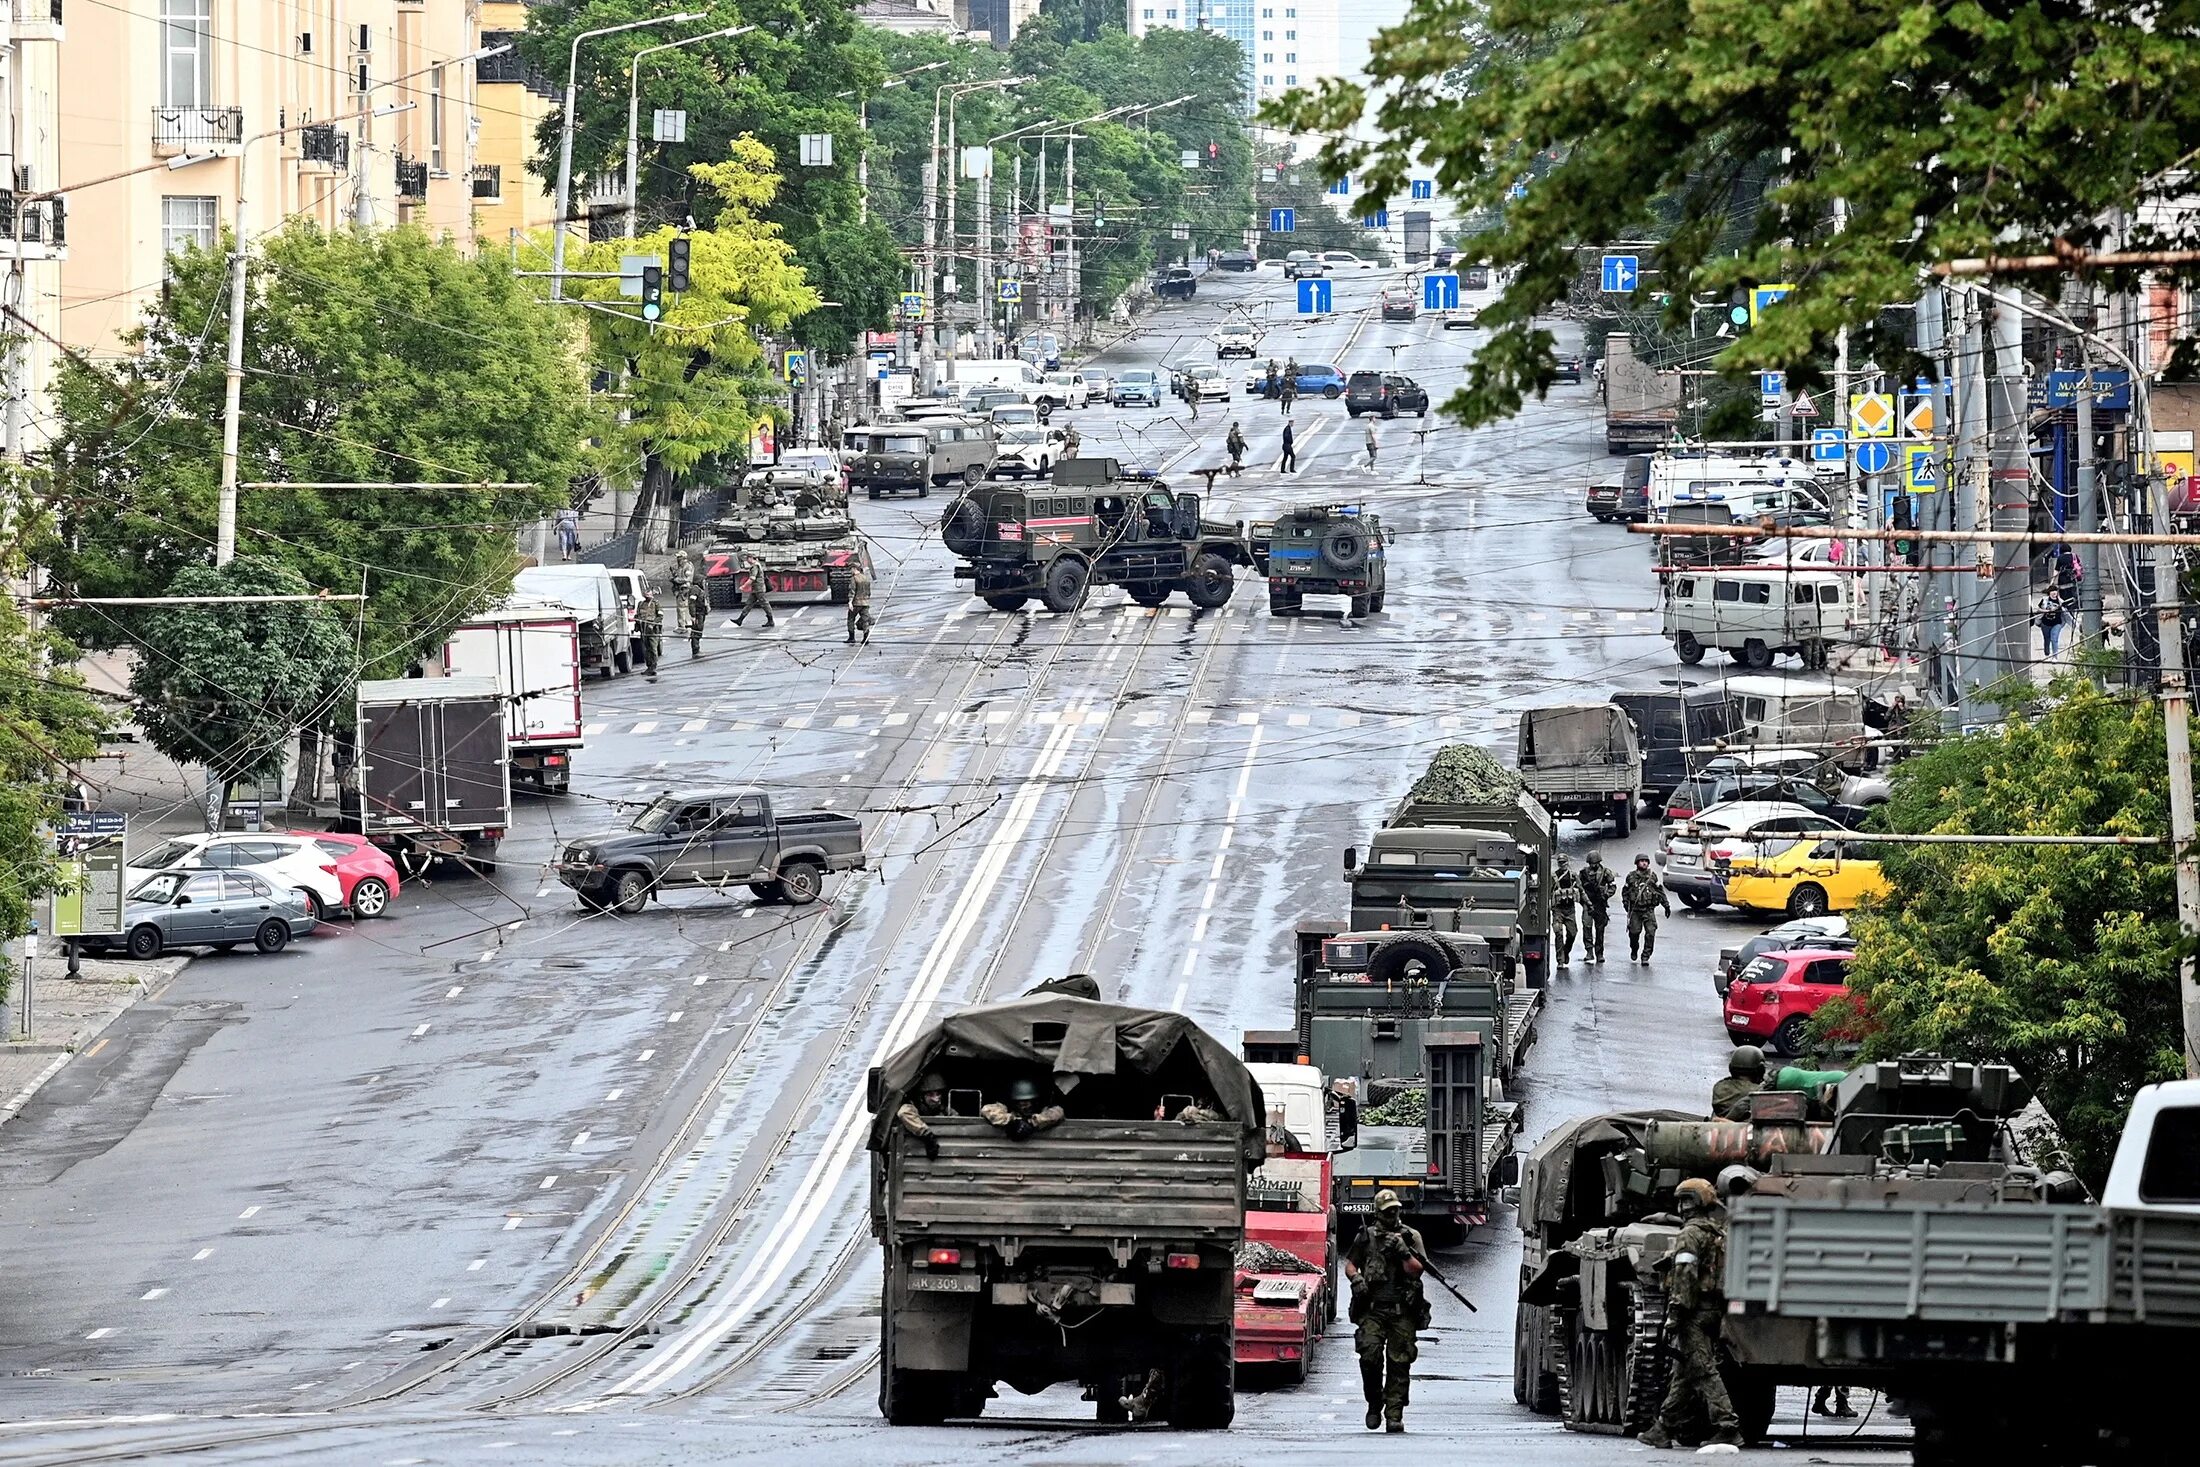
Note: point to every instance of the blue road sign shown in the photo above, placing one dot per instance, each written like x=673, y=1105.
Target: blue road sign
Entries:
x=1620, y=272
x=1439, y=292
x=1283, y=221
x=93, y=822
x=1424, y=188
x=1828, y=445
x=1314, y=298
x=1874, y=456
x=1921, y=469
x=1519, y=191
x=1342, y=185
x=798, y=365
x=1012, y=292
x=1771, y=387
x=1380, y=219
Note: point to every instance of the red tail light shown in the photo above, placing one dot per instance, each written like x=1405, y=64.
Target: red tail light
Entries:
x=1435, y=1169
x=944, y=1257
x=331, y=870
x=1183, y=1260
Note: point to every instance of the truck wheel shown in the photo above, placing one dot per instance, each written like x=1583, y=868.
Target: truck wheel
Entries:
x=1361, y=606
x=1807, y=900
x=1209, y=585
x=1535, y=1385
x=973, y=476
x=1754, y=1396
x=1062, y=588
x=801, y=882
x=1690, y=649
x=1005, y=600
x=1375, y=602
x=145, y=942
x=907, y=1397
x=962, y=528
x=1408, y=960
x=1202, y=1388
x=622, y=663
x=630, y=892
x=1789, y=1038
x=1756, y=654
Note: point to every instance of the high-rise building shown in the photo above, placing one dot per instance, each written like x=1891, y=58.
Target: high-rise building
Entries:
x=34, y=230
x=511, y=102
x=355, y=112
x=1287, y=43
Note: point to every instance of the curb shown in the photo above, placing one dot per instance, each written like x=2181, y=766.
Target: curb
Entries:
x=146, y=992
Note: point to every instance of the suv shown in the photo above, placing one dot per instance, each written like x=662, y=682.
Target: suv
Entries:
x=900, y=457
x=1399, y=305
x=1303, y=265
x=1177, y=283
x=1387, y=393
x=1626, y=498
x=1096, y=524
x=1771, y=1000
x=1236, y=340
x=1322, y=550
x=1237, y=261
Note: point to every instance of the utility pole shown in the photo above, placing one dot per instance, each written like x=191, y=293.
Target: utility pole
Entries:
x=985, y=292
x=564, y=198
x=1967, y=485
x=1936, y=512
x=2009, y=483
x=2078, y=304
x=1069, y=225
x=931, y=265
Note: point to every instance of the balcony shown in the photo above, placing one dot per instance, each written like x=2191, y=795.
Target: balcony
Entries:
x=412, y=181
x=33, y=229
x=325, y=144
x=197, y=131
x=488, y=183
x=35, y=20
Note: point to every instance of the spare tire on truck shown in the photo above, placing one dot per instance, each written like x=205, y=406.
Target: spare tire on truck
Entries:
x=1344, y=548
x=962, y=528
x=1410, y=960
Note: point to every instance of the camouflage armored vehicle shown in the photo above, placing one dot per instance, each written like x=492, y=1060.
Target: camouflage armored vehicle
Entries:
x=1485, y=868
x=1322, y=550
x=1097, y=524
x=797, y=522
x=1100, y=1250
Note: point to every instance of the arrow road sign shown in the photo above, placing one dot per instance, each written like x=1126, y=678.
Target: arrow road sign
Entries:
x=1314, y=298
x=1380, y=219
x=1439, y=292
x=1424, y=188
x=1621, y=273
x=1342, y=185
x=1874, y=457
x=1828, y=445
x=1922, y=471
x=1283, y=221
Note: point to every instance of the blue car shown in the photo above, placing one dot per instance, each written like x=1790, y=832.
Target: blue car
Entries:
x=1142, y=388
x=1316, y=380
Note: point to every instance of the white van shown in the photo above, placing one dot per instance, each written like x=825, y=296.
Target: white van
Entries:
x=590, y=593
x=1009, y=373
x=1802, y=713
x=1753, y=613
x=1749, y=487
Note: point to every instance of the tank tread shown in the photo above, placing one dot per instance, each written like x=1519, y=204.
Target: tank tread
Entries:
x=1647, y=1361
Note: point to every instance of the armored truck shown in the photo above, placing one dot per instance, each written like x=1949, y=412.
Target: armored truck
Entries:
x=1582, y=762
x=1322, y=550
x=1484, y=869
x=1101, y=1250
x=1097, y=524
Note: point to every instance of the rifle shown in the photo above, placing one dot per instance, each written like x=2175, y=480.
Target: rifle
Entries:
x=1397, y=1242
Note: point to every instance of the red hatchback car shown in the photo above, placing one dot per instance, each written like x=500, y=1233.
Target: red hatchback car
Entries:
x=368, y=875
x=1770, y=1001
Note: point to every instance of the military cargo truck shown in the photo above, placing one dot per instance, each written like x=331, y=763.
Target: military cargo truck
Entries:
x=1582, y=762
x=1097, y=524
x=1101, y=1250
x=1483, y=869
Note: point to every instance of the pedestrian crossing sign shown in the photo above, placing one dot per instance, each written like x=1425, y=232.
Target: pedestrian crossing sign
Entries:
x=1921, y=470
x=1012, y=292
x=912, y=305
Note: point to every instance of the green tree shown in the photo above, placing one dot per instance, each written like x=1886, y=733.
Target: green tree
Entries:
x=47, y=725
x=369, y=357
x=1947, y=131
x=1084, y=20
x=226, y=685
x=697, y=382
x=2061, y=960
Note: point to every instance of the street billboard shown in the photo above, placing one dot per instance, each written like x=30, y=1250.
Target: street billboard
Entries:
x=1417, y=235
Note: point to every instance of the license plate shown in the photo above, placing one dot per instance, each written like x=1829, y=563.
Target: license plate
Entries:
x=943, y=1283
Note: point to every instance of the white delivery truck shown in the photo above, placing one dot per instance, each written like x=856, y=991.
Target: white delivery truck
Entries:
x=532, y=648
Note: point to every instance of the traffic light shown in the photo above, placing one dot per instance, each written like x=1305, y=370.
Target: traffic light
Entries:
x=653, y=292
x=1905, y=518
x=1737, y=308
x=1214, y=150
x=676, y=263
x=1099, y=212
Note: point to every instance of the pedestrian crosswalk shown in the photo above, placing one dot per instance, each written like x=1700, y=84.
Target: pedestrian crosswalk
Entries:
x=873, y=721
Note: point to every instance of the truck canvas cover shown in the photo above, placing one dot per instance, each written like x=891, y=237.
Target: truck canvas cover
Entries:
x=1085, y=1045
x=1546, y=1178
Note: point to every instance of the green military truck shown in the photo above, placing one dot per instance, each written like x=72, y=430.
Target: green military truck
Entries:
x=1097, y=524
x=1484, y=869
x=1099, y=1251
x=1323, y=550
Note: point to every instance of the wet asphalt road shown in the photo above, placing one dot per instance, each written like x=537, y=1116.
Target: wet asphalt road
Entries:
x=323, y=1182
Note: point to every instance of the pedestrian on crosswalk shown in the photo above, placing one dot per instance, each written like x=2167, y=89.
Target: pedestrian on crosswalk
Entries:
x=1290, y=464
x=1235, y=443
x=1371, y=447
x=859, y=606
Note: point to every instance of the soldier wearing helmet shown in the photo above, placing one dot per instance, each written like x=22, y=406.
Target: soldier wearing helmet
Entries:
x=1695, y=1282
x=1565, y=898
x=1024, y=1114
x=931, y=1101
x=1598, y=886
x=1388, y=1309
x=1745, y=1076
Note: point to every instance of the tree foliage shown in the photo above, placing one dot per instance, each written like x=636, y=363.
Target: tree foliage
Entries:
x=227, y=685
x=1948, y=130
x=382, y=357
x=697, y=383
x=47, y=724
x=2061, y=960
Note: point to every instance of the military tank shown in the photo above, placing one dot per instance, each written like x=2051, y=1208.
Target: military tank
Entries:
x=797, y=523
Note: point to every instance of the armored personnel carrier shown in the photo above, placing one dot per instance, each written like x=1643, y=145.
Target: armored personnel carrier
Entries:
x=1323, y=550
x=796, y=522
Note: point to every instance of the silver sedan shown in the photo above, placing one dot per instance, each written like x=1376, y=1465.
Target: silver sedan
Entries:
x=196, y=907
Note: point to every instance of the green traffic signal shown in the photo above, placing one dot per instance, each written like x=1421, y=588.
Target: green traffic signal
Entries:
x=653, y=292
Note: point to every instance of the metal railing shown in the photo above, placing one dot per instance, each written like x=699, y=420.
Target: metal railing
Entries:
x=412, y=179
x=324, y=142
x=617, y=552
x=698, y=514
x=489, y=181
x=198, y=129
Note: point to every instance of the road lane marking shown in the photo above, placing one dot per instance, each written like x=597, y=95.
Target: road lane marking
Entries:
x=616, y=1092
x=695, y=725
x=455, y=992
x=648, y=727
x=151, y=1294
x=202, y=1255
x=101, y=1333
x=248, y=1212
x=701, y=979
x=438, y=1304
x=420, y=1031
x=675, y=1016
x=548, y=1182
x=475, y=1266
x=510, y=1223
x=1177, y=1003
x=643, y=1057
x=581, y=1139
x=102, y=1044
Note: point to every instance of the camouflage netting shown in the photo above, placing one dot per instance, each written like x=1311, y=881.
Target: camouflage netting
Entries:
x=1406, y=1108
x=1255, y=1257
x=1462, y=774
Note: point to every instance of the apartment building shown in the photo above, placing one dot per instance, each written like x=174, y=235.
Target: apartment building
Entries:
x=510, y=101
x=337, y=111
x=34, y=230
x=1287, y=43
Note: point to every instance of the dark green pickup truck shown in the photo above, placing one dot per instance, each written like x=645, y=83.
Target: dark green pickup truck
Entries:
x=715, y=839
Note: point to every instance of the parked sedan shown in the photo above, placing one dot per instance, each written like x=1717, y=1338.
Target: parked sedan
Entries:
x=1697, y=853
x=194, y=907
x=1826, y=932
x=1141, y=387
x=1808, y=879
x=289, y=861
x=1235, y=261
x=1466, y=318
x=368, y=875
x=1771, y=1000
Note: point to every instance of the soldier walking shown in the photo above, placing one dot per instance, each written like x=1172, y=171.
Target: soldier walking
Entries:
x=683, y=581
x=1235, y=443
x=1643, y=897
x=697, y=608
x=1268, y=387
x=1565, y=897
x=1388, y=1310
x=1597, y=887
x=859, y=605
x=1745, y=1076
x=649, y=623
x=1695, y=1286
x=930, y=1103
x=1290, y=464
x=1287, y=391
x=755, y=595
x=1072, y=440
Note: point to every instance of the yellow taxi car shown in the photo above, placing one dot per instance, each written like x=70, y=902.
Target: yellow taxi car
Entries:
x=1808, y=879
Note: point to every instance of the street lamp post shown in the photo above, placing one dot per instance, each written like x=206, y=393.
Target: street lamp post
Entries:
x=929, y=336
x=863, y=125
x=565, y=137
x=986, y=304
x=633, y=114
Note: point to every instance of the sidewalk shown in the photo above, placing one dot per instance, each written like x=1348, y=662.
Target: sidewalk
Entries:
x=67, y=1016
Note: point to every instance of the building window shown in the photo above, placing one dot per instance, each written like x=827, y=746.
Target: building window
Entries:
x=1269, y=57
x=187, y=53
x=1290, y=35
x=1267, y=81
x=1290, y=81
x=187, y=221
x=435, y=120
x=1291, y=56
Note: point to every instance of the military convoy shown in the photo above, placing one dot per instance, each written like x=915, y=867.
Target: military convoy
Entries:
x=1103, y=1251
x=1322, y=550
x=1582, y=761
x=796, y=524
x=1097, y=524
